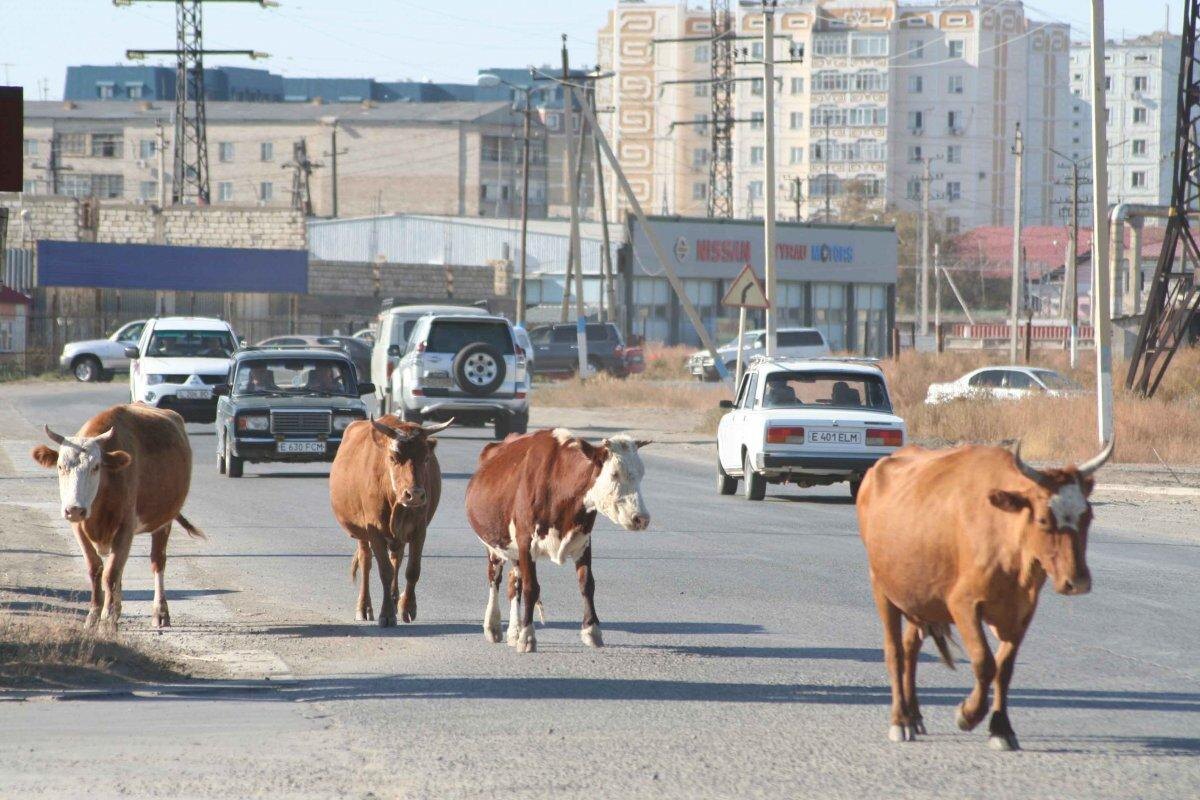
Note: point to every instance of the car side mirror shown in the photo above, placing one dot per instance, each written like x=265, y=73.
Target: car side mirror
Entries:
x=725, y=404
x=366, y=388
x=220, y=390
x=132, y=352
x=393, y=351
x=241, y=341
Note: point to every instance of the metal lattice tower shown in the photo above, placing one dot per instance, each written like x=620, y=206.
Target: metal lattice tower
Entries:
x=1174, y=295
x=720, y=163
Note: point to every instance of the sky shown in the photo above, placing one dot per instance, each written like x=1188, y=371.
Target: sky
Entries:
x=385, y=39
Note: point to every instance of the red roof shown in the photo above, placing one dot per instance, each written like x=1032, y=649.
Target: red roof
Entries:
x=1045, y=247
x=8, y=295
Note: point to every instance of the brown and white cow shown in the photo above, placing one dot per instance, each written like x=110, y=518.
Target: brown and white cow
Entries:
x=968, y=536
x=537, y=495
x=127, y=471
x=384, y=486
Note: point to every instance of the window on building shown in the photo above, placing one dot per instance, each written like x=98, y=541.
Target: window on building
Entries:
x=1108, y=83
x=29, y=147
x=916, y=49
x=108, y=186
x=1107, y=116
x=756, y=120
x=916, y=84
x=756, y=87
x=954, y=120
x=953, y=154
x=266, y=191
x=869, y=80
x=868, y=116
x=912, y=189
x=1141, y=83
x=914, y=153
x=828, y=116
x=755, y=190
x=756, y=155
x=756, y=50
x=700, y=89
x=916, y=120
x=146, y=148
x=1137, y=179
x=134, y=91
x=868, y=45
x=1078, y=76
x=953, y=191
x=700, y=157
x=953, y=225
x=107, y=145
x=797, y=85
x=955, y=46
x=830, y=44
x=796, y=155
x=147, y=190
x=796, y=120
x=1139, y=115
x=830, y=81
x=266, y=151
x=74, y=184
x=702, y=54
x=869, y=185
x=225, y=151
x=1139, y=147
x=699, y=190
x=954, y=84
x=824, y=185
x=554, y=121
x=72, y=144
x=29, y=186
x=490, y=148
x=105, y=90
x=871, y=150
x=701, y=125
x=225, y=191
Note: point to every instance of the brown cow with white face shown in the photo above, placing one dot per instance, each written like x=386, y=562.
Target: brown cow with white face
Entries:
x=384, y=486
x=537, y=495
x=127, y=471
x=968, y=536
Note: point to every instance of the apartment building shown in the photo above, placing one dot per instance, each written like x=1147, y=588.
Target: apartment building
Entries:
x=438, y=158
x=866, y=92
x=1141, y=92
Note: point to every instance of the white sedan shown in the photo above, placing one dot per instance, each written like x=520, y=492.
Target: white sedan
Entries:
x=1003, y=383
x=811, y=422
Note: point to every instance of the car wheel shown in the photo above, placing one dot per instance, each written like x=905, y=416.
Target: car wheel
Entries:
x=106, y=376
x=221, y=460
x=86, y=369
x=595, y=367
x=233, y=464
x=520, y=423
x=855, y=485
x=502, y=427
x=755, y=485
x=479, y=369
x=726, y=483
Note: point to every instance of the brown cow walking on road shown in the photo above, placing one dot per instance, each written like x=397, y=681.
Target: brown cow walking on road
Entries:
x=537, y=495
x=968, y=536
x=127, y=471
x=384, y=486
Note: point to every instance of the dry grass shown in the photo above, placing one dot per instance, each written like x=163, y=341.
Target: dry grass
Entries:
x=666, y=362
x=637, y=391
x=52, y=650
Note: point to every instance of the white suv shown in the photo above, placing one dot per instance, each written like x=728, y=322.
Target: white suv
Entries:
x=795, y=342
x=466, y=367
x=177, y=361
x=392, y=331
x=810, y=422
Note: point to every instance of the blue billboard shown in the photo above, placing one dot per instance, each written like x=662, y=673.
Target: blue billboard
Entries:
x=171, y=268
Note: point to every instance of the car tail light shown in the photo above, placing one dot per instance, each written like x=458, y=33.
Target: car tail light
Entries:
x=520, y=356
x=885, y=437
x=520, y=395
x=781, y=434
x=418, y=392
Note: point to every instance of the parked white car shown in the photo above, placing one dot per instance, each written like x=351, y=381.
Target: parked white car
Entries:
x=178, y=360
x=98, y=359
x=794, y=342
x=1003, y=383
x=392, y=330
x=811, y=422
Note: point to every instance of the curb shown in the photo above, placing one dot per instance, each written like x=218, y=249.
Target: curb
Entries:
x=1162, y=491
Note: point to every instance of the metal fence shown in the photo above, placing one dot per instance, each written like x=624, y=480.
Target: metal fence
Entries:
x=18, y=270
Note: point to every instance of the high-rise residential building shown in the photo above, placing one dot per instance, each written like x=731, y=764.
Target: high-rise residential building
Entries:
x=866, y=92
x=1141, y=93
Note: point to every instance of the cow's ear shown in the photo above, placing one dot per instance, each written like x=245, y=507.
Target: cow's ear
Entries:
x=1087, y=484
x=1008, y=501
x=117, y=460
x=431, y=444
x=44, y=455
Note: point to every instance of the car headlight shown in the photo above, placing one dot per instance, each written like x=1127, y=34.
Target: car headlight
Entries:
x=153, y=379
x=257, y=422
x=342, y=421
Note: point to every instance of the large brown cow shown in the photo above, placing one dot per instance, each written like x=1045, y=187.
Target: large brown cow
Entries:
x=385, y=485
x=968, y=536
x=537, y=495
x=127, y=471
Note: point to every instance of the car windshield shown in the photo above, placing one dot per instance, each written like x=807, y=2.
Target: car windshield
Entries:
x=293, y=376
x=1056, y=382
x=828, y=389
x=191, y=344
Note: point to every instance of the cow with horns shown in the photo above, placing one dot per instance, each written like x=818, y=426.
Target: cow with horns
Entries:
x=537, y=495
x=126, y=471
x=968, y=536
x=384, y=486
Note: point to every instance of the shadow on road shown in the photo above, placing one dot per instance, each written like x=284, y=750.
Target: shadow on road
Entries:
x=867, y=655
x=334, y=630
x=83, y=595
x=666, y=628
x=288, y=475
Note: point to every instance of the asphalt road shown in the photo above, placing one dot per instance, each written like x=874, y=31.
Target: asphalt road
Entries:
x=742, y=660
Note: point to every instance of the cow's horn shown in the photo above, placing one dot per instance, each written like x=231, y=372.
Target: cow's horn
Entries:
x=1026, y=470
x=57, y=438
x=430, y=430
x=104, y=437
x=387, y=431
x=1093, y=464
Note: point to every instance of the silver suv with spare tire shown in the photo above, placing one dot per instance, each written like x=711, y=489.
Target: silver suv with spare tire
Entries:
x=468, y=368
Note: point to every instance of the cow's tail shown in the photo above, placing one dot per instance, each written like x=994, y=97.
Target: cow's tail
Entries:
x=191, y=529
x=541, y=612
x=942, y=638
x=354, y=567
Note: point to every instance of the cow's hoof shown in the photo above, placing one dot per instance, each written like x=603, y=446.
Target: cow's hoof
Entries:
x=1003, y=742
x=387, y=618
x=93, y=618
x=527, y=642
x=492, y=634
x=918, y=726
x=902, y=733
x=161, y=618
x=408, y=608
x=964, y=724
x=107, y=626
x=591, y=636
x=514, y=635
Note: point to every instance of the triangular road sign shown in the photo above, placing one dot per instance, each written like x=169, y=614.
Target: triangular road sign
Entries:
x=746, y=291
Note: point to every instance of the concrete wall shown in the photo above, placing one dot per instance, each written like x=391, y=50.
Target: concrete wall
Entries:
x=431, y=282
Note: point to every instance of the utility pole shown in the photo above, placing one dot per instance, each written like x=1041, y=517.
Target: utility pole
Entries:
x=937, y=296
x=301, y=177
x=1070, y=295
x=524, y=210
x=191, y=136
x=1101, y=301
x=332, y=155
x=1015, y=310
x=797, y=198
x=927, y=185
x=573, y=199
x=768, y=12
x=608, y=294
x=160, y=149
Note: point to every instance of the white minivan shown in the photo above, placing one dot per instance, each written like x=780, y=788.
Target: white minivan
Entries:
x=392, y=330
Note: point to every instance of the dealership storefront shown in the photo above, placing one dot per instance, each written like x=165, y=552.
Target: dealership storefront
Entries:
x=837, y=278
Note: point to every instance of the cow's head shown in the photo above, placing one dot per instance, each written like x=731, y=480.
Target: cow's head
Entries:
x=408, y=449
x=617, y=490
x=1058, y=515
x=83, y=466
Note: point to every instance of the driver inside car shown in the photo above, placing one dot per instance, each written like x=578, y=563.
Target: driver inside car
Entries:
x=258, y=379
x=780, y=394
x=323, y=379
